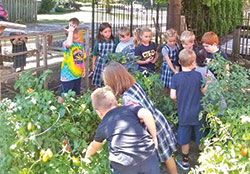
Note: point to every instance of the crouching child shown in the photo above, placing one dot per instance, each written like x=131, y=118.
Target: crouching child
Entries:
x=130, y=132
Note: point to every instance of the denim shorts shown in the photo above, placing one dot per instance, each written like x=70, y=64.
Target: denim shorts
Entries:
x=184, y=134
x=74, y=85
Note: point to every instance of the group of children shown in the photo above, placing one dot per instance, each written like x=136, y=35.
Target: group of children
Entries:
x=137, y=131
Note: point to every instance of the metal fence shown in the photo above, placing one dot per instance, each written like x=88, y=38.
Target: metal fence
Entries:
x=131, y=15
x=25, y=10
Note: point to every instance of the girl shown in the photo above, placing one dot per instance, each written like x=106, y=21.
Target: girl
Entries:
x=123, y=85
x=145, y=49
x=105, y=44
x=170, y=58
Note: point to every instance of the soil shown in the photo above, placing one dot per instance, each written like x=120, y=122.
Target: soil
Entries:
x=193, y=156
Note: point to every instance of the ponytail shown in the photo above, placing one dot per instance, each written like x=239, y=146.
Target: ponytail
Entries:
x=138, y=34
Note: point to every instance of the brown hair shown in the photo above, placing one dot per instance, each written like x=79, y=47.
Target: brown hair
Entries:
x=102, y=27
x=170, y=33
x=210, y=38
x=124, y=31
x=103, y=99
x=138, y=34
x=187, y=57
x=75, y=21
x=187, y=36
x=118, y=78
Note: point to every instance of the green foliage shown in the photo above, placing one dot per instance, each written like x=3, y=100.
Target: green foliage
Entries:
x=227, y=144
x=219, y=16
x=34, y=121
x=46, y=6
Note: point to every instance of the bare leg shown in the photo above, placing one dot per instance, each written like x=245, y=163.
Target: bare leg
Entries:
x=171, y=165
x=185, y=149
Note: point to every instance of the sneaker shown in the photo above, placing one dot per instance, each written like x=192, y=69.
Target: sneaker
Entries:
x=184, y=165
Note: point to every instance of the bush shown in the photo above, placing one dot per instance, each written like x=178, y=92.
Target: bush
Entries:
x=47, y=6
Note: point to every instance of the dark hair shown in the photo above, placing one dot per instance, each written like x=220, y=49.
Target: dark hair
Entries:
x=102, y=27
x=201, y=58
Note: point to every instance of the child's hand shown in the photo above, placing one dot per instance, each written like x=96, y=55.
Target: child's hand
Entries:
x=208, y=78
x=149, y=60
x=71, y=28
x=155, y=142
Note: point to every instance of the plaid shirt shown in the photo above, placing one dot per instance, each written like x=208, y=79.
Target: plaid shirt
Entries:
x=166, y=72
x=166, y=139
x=103, y=49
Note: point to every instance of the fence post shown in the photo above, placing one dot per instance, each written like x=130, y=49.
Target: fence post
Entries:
x=236, y=40
x=131, y=18
x=93, y=25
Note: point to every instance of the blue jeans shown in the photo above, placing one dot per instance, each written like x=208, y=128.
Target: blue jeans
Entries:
x=148, y=166
x=74, y=85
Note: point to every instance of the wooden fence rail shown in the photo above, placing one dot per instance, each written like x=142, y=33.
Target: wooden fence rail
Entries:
x=42, y=56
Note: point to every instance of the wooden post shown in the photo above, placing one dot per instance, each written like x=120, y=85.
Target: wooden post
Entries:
x=236, y=40
x=87, y=47
x=45, y=60
x=44, y=50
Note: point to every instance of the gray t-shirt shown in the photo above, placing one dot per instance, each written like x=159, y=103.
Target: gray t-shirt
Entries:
x=128, y=140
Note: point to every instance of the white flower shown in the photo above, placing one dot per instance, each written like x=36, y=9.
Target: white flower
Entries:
x=13, y=146
x=52, y=108
x=33, y=100
x=83, y=106
x=245, y=119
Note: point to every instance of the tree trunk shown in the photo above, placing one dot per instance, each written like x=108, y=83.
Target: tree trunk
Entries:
x=174, y=15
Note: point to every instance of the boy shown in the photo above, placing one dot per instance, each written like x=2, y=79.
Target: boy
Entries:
x=126, y=45
x=131, y=143
x=73, y=65
x=187, y=39
x=210, y=43
x=186, y=89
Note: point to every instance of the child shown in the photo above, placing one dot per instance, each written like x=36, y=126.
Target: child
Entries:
x=130, y=132
x=126, y=46
x=187, y=39
x=19, y=45
x=186, y=89
x=105, y=44
x=210, y=43
x=170, y=58
x=202, y=68
x=124, y=85
x=3, y=17
x=145, y=49
x=73, y=65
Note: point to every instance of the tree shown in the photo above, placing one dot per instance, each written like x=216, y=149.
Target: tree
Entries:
x=174, y=15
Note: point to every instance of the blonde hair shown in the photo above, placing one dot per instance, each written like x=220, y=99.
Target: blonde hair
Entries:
x=103, y=99
x=170, y=33
x=187, y=36
x=118, y=78
x=124, y=31
x=187, y=57
x=137, y=34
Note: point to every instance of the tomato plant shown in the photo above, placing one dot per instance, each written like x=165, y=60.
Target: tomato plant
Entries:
x=38, y=134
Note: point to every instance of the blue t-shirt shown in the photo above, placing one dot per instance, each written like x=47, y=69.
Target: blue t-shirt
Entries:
x=188, y=92
x=146, y=52
x=128, y=140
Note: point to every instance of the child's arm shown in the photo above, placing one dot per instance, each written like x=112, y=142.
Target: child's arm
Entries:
x=69, y=40
x=156, y=57
x=93, y=148
x=142, y=62
x=173, y=94
x=169, y=62
x=147, y=118
x=94, y=62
